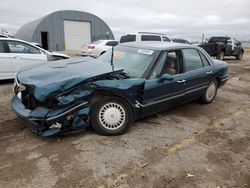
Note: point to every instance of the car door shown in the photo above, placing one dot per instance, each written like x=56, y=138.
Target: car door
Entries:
x=161, y=93
x=198, y=71
x=23, y=55
x=5, y=63
x=237, y=47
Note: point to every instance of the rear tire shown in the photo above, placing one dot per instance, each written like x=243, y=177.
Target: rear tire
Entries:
x=210, y=93
x=239, y=56
x=220, y=55
x=111, y=116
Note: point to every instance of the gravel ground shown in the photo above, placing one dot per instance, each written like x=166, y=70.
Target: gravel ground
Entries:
x=192, y=145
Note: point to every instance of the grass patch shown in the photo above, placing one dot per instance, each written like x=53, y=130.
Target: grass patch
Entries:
x=247, y=50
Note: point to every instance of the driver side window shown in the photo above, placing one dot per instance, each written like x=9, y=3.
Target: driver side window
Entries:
x=169, y=63
x=19, y=47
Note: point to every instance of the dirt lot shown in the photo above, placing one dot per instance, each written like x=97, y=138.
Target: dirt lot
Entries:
x=193, y=145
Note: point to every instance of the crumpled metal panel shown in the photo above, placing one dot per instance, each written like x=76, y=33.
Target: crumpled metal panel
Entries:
x=58, y=76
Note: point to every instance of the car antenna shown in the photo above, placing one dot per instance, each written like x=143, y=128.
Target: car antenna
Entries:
x=112, y=58
x=112, y=44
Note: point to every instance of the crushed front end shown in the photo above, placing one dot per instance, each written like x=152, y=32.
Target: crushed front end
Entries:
x=52, y=117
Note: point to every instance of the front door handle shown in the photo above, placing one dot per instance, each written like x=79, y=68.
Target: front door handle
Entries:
x=181, y=81
x=209, y=72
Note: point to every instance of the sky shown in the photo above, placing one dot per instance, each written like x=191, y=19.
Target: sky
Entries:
x=187, y=19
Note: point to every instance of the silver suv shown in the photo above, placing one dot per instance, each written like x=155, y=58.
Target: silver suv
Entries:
x=144, y=36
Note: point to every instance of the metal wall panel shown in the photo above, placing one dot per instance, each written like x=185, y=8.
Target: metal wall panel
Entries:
x=53, y=24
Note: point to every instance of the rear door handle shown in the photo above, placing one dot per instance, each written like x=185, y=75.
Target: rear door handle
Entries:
x=209, y=72
x=181, y=81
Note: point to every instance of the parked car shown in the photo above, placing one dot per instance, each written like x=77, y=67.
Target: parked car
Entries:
x=37, y=44
x=144, y=36
x=95, y=49
x=3, y=36
x=109, y=94
x=220, y=47
x=178, y=40
x=16, y=54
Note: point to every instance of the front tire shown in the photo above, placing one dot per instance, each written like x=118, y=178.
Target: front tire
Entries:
x=111, y=116
x=210, y=92
x=239, y=56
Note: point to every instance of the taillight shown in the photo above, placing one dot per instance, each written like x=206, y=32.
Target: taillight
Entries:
x=91, y=46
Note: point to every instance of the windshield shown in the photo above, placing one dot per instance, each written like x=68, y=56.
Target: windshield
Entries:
x=133, y=61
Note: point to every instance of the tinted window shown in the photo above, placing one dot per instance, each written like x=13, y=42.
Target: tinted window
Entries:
x=192, y=59
x=204, y=60
x=19, y=47
x=181, y=41
x=166, y=39
x=150, y=38
x=127, y=38
x=1, y=47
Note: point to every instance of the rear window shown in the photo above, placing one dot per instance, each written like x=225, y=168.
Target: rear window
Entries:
x=166, y=39
x=96, y=42
x=218, y=39
x=150, y=38
x=128, y=38
x=1, y=47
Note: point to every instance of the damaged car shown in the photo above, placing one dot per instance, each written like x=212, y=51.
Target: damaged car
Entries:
x=109, y=93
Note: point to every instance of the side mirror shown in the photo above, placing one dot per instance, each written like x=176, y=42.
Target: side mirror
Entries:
x=238, y=43
x=112, y=43
x=165, y=77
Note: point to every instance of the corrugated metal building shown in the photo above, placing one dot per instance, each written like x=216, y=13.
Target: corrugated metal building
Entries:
x=65, y=30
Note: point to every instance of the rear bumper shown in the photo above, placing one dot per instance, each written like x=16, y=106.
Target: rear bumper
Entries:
x=41, y=118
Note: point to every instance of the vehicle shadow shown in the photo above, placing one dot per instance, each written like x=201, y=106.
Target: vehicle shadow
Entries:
x=4, y=82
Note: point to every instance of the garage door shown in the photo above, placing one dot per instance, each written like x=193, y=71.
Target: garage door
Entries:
x=76, y=34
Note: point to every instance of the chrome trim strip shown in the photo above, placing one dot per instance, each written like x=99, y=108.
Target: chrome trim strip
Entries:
x=64, y=113
x=173, y=97
x=224, y=79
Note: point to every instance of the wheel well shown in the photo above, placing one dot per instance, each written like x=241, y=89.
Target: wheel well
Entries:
x=218, y=81
x=97, y=95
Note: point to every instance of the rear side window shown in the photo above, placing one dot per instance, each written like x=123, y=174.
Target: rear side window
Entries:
x=204, y=60
x=192, y=59
x=1, y=47
x=150, y=38
x=127, y=38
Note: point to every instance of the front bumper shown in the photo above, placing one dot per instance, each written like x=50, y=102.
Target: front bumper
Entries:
x=41, y=118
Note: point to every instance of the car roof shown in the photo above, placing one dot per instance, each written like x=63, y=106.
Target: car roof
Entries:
x=145, y=33
x=157, y=45
x=13, y=39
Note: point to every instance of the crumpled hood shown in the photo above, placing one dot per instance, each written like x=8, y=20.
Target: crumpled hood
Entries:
x=57, y=76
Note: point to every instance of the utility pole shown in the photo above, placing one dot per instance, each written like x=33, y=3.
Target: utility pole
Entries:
x=202, y=39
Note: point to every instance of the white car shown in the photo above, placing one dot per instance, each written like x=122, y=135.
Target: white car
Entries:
x=16, y=54
x=144, y=36
x=95, y=49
